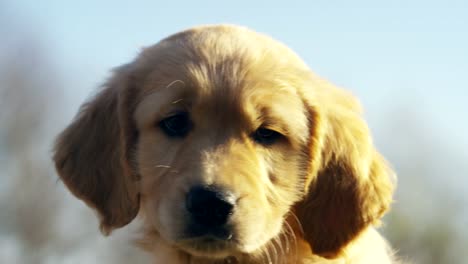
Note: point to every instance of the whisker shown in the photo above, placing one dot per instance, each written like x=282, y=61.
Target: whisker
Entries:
x=174, y=82
x=291, y=233
x=266, y=254
x=268, y=257
x=281, y=256
x=285, y=246
x=273, y=247
x=301, y=230
x=163, y=166
x=285, y=239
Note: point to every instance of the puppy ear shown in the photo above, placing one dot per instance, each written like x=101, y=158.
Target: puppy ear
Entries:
x=92, y=155
x=350, y=185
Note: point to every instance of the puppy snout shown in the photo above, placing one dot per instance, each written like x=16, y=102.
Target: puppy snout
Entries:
x=209, y=207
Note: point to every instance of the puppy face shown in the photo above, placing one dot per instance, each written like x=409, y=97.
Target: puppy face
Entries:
x=236, y=142
x=217, y=135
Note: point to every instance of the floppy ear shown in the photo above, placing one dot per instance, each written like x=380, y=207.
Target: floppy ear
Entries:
x=352, y=186
x=93, y=154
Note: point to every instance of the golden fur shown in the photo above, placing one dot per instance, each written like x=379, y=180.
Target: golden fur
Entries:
x=312, y=196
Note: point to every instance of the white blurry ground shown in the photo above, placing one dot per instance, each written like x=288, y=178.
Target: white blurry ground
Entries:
x=43, y=223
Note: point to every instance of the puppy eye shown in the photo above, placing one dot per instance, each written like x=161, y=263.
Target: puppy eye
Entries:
x=177, y=125
x=266, y=136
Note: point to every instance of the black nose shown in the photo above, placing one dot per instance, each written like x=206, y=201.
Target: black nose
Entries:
x=208, y=206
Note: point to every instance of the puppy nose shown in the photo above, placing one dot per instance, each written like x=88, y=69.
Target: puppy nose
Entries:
x=209, y=206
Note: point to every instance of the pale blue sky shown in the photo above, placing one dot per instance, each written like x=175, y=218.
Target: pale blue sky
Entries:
x=392, y=54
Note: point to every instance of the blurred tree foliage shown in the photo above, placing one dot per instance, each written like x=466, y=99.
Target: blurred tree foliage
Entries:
x=38, y=224
x=427, y=223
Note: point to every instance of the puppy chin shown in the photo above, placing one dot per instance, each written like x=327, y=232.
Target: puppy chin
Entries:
x=209, y=248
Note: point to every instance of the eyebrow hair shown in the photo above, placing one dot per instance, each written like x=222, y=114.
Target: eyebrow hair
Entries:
x=266, y=117
x=177, y=101
x=161, y=99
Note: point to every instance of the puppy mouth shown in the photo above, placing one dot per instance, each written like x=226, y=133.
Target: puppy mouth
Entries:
x=210, y=246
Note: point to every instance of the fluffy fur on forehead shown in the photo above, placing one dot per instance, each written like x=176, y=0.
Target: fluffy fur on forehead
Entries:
x=221, y=59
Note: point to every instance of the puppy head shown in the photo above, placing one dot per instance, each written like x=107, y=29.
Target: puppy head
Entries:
x=216, y=131
x=219, y=134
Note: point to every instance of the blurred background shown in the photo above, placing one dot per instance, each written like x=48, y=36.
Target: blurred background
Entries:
x=406, y=60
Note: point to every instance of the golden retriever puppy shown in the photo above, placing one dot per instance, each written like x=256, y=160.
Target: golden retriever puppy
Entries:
x=231, y=151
